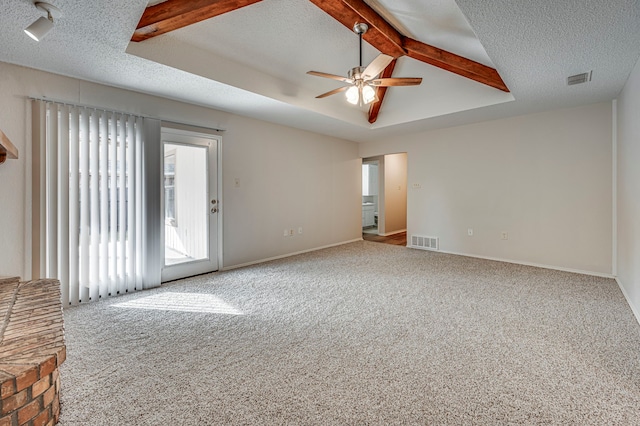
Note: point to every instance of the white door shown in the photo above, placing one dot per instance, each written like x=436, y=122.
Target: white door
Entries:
x=190, y=203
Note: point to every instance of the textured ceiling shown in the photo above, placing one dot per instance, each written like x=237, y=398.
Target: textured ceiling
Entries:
x=436, y=22
x=253, y=62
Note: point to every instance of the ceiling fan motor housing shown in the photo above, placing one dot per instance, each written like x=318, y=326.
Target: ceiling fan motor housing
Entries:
x=355, y=74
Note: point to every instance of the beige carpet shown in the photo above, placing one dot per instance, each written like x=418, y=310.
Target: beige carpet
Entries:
x=364, y=333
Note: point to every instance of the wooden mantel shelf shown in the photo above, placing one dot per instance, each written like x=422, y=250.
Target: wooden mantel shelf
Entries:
x=7, y=149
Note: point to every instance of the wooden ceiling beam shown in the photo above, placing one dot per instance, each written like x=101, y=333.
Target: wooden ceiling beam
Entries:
x=388, y=40
x=173, y=14
x=454, y=63
x=380, y=35
x=374, y=109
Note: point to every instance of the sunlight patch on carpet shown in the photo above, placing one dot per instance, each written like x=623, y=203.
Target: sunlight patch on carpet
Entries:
x=183, y=302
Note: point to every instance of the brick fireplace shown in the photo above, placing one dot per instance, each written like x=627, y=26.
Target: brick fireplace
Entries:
x=31, y=351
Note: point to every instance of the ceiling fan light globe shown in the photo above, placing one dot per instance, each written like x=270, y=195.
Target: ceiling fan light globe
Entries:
x=353, y=95
x=368, y=94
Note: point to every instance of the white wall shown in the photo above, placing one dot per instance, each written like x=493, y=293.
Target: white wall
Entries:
x=289, y=178
x=628, y=194
x=544, y=178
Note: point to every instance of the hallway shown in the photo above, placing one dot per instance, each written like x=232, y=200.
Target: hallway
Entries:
x=399, y=239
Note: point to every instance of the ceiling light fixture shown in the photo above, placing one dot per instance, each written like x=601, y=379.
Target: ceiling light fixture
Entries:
x=353, y=95
x=362, y=80
x=43, y=25
x=368, y=94
x=361, y=93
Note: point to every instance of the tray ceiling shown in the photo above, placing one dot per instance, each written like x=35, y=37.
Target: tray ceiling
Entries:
x=253, y=61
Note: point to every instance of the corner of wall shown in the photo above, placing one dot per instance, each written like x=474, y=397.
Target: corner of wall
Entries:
x=627, y=185
x=614, y=190
x=635, y=311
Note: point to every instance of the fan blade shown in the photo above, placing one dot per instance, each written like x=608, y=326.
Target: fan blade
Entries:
x=376, y=66
x=332, y=76
x=333, y=92
x=386, y=82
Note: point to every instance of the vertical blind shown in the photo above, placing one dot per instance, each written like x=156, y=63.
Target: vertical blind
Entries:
x=92, y=168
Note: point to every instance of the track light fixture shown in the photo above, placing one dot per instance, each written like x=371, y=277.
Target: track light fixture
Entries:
x=43, y=25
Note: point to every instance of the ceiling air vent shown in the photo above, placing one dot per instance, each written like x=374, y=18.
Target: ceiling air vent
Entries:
x=579, y=78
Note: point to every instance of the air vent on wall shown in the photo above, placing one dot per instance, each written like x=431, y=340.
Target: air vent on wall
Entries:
x=424, y=243
x=579, y=78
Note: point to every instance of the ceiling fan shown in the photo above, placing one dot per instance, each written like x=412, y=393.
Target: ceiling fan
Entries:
x=362, y=81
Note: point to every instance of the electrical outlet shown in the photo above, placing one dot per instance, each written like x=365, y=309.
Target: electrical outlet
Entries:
x=504, y=235
x=286, y=232
x=470, y=232
x=416, y=186
x=300, y=230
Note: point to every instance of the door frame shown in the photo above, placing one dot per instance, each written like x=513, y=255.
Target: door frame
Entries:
x=182, y=131
x=383, y=168
x=379, y=161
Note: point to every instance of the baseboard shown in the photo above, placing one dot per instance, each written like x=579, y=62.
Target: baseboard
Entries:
x=537, y=265
x=386, y=234
x=636, y=313
x=282, y=256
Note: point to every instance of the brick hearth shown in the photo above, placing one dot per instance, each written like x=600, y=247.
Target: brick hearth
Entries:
x=31, y=351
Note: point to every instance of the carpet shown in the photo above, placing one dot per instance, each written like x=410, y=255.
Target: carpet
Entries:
x=363, y=333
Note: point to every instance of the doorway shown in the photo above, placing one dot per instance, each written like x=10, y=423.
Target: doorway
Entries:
x=370, y=197
x=384, y=198
x=190, y=203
